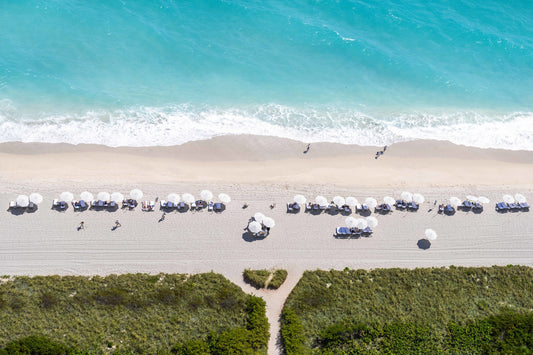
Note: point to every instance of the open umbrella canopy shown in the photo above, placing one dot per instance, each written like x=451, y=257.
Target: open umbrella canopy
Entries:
x=483, y=199
x=206, y=195
x=259, y=217
x=36, y=198
x=116, y=196
x=86, y=196
x=389, y=200
x=254, y=227
x=23, y=200
x=136, y=194
x=431, y=234
x=103, y=196
x=350, y=222
x=351, y=201
x=372, y=222
x=66, y=196
x=455, y=201
x=471, y=198
x=269, y=222
x=407, y=196
x=418, y=198
x=339, y=200
x=361, y=223
x=520, y=198
x=300, y=199
x=371, y=202
x=187, y=198
x=508, y=199
x=224, y=198
x=321, y=201
x=174, y=198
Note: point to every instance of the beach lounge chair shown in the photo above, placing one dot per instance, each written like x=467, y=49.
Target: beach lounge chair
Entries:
x=83, y=204
x=12, y=204
x=163, y=204
x=466, y=205
x=151, y=207
x=144, y=206
x=524, y=206
x=193, y=206
x=218, y=206
x=449, y=209
x=210, y=206
x=296, y=207
x=181, y=205
x=100, y=204
x=513, y=206
x=356, y=232
x=412, y=206
x=55, y=203
x=31, y=206
x=477, y=206
x=63, y=205
x=75, y=205
x=112, y=204
x=386, y=208
x=367, y=231
x=365, y=209
x=289, y=207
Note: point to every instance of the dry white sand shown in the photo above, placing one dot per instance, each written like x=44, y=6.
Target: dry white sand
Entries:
x=259, y=171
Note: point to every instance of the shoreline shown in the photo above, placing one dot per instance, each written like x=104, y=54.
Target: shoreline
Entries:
x=250, y=159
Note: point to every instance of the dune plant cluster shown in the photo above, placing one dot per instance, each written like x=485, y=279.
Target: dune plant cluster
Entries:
x=433, y=310
x=265, y=278
x=131, y=313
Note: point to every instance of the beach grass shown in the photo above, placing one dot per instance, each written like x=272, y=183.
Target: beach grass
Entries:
x=265, y=278
x=135, y=313
x=431, y=310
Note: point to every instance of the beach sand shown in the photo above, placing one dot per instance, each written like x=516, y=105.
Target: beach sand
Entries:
x=259, y=171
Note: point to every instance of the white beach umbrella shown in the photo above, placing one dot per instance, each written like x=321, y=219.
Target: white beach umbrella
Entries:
x=66, y=196
x=86, y=196
x=483, y=199
x=321, y=201
x=520, y=198
x=269, y=222
x=116, y=196
x=136, y=194
x=206, y=195
x=471, y=198
x=300, y=199
x=418, y=198
x=431, y=234
x=350, y=222
x=259, y=217
x=361, y=223
x=224, y=198
x=339, y=200
x=407, y=196
x=389, y=200
x=371, y=202
x=455, y=201
x=36, y=198
x=174, y=198
x=351, y=201
x=187, y=198
x=372, y=222
x=254, y=227
x=508, y=199
x=103, y=196
x=23, y=200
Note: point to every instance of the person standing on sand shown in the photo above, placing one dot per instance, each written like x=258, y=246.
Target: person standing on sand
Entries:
x=82, y=225
x=117, y=224
x=163, y=216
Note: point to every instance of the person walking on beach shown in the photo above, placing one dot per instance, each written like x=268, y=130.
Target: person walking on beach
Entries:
x=82, y=225
x=163, y=216
x=308, y=147
x=117, y=224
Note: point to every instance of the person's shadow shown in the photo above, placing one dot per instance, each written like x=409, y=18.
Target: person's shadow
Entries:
x=114, y=228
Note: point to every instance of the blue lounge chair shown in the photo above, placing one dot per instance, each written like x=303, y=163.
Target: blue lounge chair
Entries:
x=514, y=206
x=218, y=206
x=295, y=206
x=524, y=206
x=112, y=204
x=449, y=209
x=367, y=230
x=83, y=204
x=466, y=205
x=355, y=232
x=386, y=208
x=412, y=206
x=100, y=203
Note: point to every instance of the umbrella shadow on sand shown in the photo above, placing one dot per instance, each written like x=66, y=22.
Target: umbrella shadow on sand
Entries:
x=250, y=237
x=424, y=244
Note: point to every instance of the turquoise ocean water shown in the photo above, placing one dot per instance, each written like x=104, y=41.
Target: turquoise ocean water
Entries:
x=141, y=73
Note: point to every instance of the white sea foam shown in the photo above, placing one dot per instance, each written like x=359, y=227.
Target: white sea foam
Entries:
x=148, y=126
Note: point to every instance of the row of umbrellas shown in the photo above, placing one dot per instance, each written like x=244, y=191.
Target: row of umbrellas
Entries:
x=361, y=223
x=370, y=202
x=136, y=194
x=259, y=221
x=517, y=198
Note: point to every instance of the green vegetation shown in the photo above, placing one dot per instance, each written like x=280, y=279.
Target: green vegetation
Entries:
x=260, y=278
x=130, y=314
x=278, y=279
x=437, y=311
